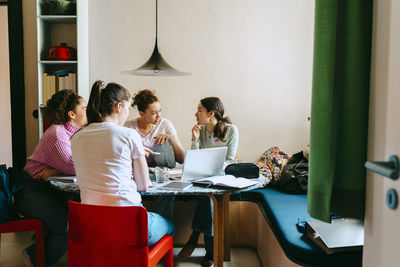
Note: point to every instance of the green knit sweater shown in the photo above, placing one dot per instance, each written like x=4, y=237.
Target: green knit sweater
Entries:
x=207, y=140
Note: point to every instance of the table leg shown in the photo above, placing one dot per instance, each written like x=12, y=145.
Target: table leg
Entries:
x=218, y=230
x=227, y=227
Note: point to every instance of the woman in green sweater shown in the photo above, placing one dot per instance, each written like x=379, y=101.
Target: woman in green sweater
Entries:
x=211, y=130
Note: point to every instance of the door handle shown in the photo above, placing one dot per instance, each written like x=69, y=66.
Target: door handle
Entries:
x=386, y=168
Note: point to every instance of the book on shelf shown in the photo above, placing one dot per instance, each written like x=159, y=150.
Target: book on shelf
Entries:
x=71, y=81
x=66, y=82
x=342, y=234
x=51, y=85
x=226, y=181
x=44, y=88
x=48, y=87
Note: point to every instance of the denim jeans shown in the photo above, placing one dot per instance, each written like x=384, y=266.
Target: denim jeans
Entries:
x=203, y=221
x=158, y=227
x=38, y=199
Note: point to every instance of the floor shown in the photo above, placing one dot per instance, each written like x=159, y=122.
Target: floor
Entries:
x=12, y=244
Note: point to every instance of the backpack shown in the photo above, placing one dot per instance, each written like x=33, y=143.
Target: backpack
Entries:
x=10, y=182
x=271, y=164
x=294, y=177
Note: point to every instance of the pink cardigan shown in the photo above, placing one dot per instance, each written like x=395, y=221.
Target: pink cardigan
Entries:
x=53, y=150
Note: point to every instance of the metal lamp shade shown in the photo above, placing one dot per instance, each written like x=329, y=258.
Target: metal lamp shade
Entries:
x=156, y=66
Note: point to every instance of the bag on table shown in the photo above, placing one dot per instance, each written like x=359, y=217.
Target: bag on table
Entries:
x=294, y=177
x=245, y=170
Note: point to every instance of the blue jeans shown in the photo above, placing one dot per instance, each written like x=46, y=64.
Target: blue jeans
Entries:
x=38, y=199
x=203, y=221
x=158, y=227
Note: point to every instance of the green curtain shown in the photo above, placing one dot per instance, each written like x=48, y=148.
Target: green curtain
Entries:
x=339, y=109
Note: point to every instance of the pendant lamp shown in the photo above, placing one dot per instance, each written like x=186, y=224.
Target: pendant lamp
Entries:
x=156, y=64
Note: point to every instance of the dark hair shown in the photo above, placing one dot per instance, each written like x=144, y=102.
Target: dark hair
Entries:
x=60, y=104
x=143, y=98
x=102, y=99
x=215, y=104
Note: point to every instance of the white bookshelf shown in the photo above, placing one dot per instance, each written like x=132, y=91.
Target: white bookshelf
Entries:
x=52, y=30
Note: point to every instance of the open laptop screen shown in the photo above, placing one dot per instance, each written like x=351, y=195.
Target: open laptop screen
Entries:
x=201, y=163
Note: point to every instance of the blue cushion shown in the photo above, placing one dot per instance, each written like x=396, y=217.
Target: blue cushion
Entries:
x=282, y=212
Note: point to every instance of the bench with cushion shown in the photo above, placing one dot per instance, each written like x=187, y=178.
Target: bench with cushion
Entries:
x=282, y=212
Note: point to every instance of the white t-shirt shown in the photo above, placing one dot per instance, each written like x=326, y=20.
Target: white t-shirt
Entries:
x=102, y=155
x=164, y=127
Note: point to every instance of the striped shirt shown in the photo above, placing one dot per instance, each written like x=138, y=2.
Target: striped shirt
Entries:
x=53, y=150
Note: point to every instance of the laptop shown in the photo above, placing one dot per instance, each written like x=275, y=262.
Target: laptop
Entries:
x=202, y=163
x=198, y=164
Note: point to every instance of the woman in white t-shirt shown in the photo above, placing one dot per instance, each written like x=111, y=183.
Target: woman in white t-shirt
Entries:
x=110, y=160
x=158, y=134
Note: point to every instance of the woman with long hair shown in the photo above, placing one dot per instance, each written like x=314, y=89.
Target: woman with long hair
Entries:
x=66, y=112
x=110, y=159
x=211, y=130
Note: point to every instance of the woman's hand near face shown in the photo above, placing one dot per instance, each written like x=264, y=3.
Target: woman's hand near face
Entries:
x=195, y=132
x=46, y=173
x=162, y=138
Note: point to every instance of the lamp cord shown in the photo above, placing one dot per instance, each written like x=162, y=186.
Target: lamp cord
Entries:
x=156, y=19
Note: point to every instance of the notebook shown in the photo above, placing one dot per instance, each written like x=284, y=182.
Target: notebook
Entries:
x=226, y=181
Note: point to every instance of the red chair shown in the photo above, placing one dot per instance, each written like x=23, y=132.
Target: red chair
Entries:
x=113, y=236
x=24, y=225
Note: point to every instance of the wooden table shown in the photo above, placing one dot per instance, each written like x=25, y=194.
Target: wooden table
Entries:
x=220, y=199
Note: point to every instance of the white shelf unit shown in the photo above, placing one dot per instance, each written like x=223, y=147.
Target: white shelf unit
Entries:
x=52, y=30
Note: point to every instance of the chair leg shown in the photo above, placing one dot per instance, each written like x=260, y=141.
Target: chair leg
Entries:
x=169, y=258
x=39, y=247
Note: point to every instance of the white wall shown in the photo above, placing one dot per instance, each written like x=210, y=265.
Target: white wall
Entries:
x=255, y=55
x=5, y=104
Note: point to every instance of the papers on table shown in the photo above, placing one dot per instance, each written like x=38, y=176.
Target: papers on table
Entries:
x=226, y=181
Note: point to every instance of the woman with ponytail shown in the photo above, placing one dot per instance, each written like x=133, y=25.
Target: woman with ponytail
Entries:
x=211, y=130
x=110, y=159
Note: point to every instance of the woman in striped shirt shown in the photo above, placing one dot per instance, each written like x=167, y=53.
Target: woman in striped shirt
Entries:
x=66, y=112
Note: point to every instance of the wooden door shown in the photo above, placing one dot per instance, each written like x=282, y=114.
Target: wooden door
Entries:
x=382, y=224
